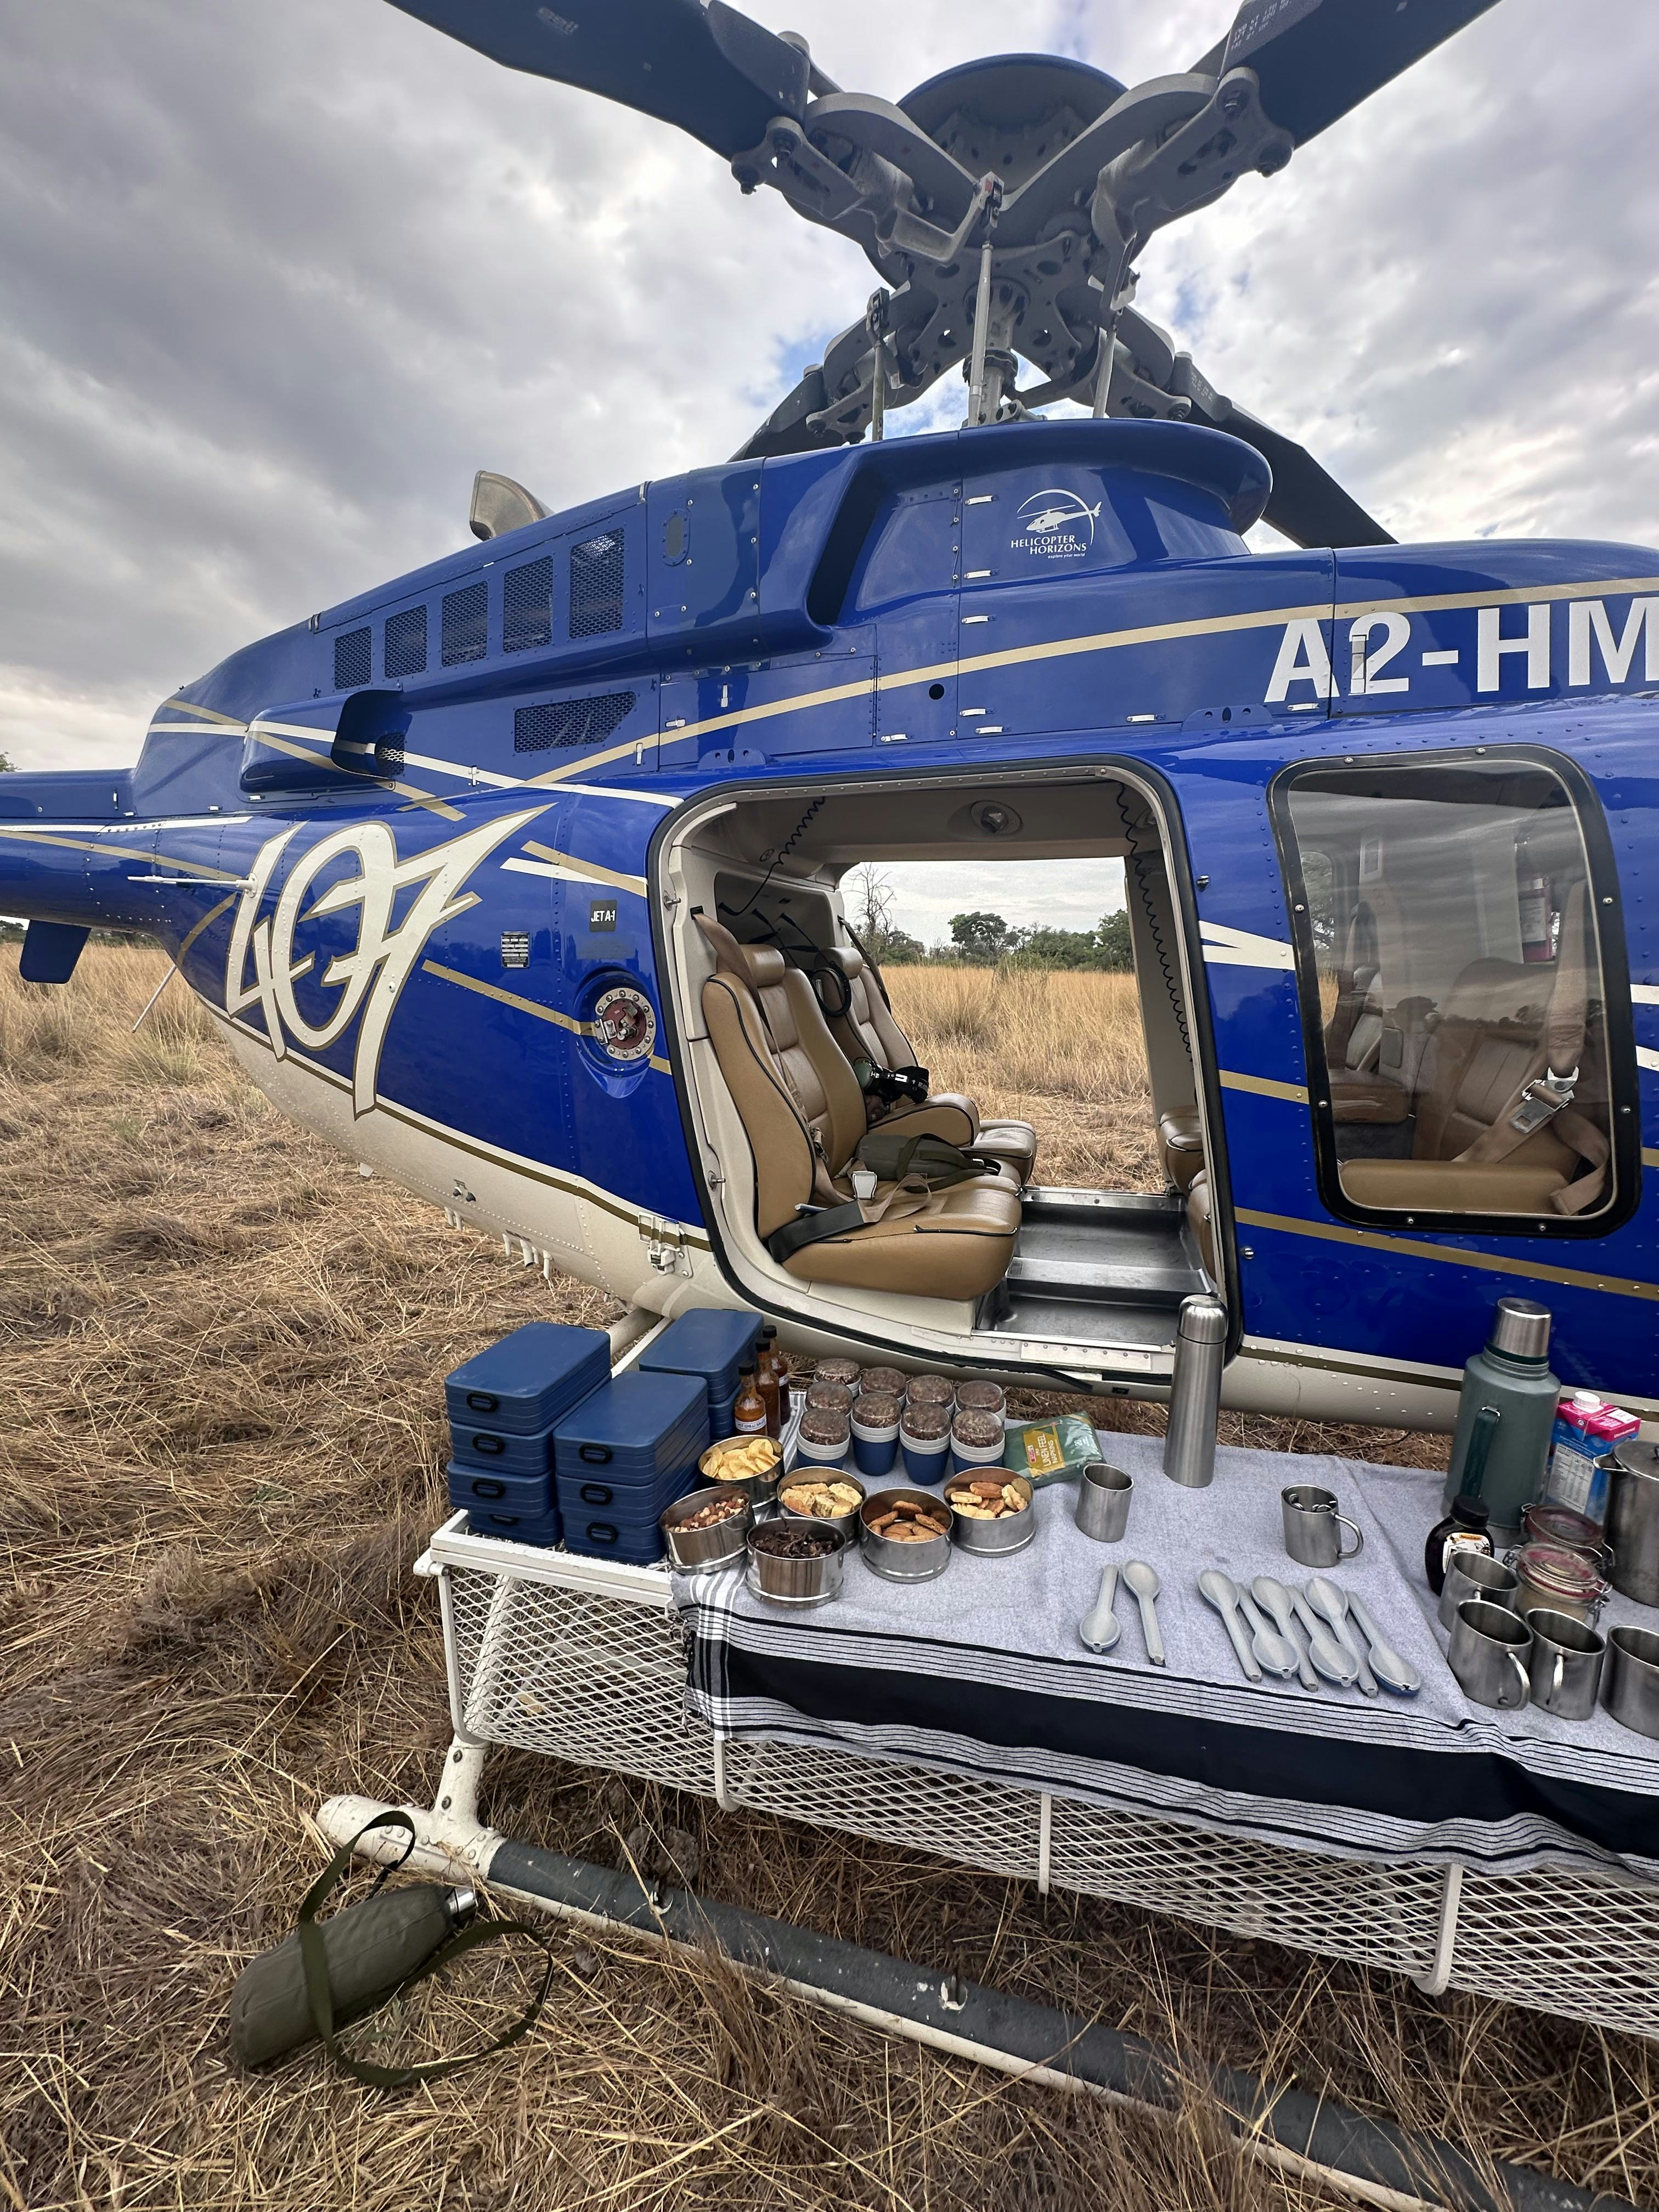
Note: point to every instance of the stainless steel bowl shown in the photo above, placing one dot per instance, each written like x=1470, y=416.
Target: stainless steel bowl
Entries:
x=904, y=1563
x=723, y=1544
x=844, y=1524
x=1012, y=1534
x=799, y=1582
x=759, y=1489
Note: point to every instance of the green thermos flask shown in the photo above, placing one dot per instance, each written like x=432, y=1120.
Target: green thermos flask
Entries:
x=372, y=1949
x=1510, y=1378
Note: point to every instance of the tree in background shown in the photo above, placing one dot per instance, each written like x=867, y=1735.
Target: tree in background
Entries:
x=980, y=936
x=869, y=898
x=1112, y=938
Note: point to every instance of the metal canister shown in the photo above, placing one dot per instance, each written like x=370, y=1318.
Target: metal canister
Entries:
x=1195, y=1393
x=1556, y=1580
x=1633, y=1520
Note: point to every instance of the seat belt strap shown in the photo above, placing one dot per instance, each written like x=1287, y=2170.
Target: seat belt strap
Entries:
x=1550, y=1085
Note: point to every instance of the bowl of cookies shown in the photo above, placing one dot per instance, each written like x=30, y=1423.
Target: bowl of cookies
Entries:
x=822, y=1494
x=990, y=1510
x=747, y=1463
x=905, y=1535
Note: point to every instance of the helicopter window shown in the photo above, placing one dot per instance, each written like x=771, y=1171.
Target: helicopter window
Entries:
x=527, y=606
x=596, y=585
x=1451, y=924
x=405, y=643
x=352, y=663
x=465, y=625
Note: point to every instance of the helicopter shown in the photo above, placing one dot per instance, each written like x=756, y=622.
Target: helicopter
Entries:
x=519, y=878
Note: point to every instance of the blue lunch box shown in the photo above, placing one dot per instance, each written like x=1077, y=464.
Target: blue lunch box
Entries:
x=716, y=1346
x=544, y=1529
x=722, y=1419
x=525, y=1385
x=625, y=1527
x=497, y=1491
x=624, y=1454
x=469, y=1445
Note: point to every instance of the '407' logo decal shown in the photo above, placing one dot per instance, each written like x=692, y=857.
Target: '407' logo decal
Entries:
x=370, y=977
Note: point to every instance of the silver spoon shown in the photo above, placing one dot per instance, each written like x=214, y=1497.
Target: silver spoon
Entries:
x=1273, y=1597
x=1220, y=1591
x=1144, y=1582
x=1279, y=1656
x=1100, y=1626
x=1393, y=1671
x=1325, y=1597
x=1333, y=1661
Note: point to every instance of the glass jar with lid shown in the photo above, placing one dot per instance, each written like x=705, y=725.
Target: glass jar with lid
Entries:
x=1558, y=1581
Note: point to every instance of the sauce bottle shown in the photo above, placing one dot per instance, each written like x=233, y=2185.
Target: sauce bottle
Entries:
x=779, y=1363
x=766, y=1381
x=749, y=1409
x=1467, y=1527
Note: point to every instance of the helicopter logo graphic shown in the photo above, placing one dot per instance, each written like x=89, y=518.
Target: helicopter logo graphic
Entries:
x=1055, y=524
x=370, y=977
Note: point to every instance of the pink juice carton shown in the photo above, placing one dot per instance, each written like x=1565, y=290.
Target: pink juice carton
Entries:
x=1586, y=1431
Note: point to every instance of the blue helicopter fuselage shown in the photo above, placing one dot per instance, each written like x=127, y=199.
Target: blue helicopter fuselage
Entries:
x=405, y=850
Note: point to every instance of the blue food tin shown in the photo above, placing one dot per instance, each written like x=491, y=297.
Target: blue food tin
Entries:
x=497, y=1491
x=597, y=1536
x=722, y=1419
x=544, y=1528
x=527, y=1384
x=470, y=1445
x=716, y=1346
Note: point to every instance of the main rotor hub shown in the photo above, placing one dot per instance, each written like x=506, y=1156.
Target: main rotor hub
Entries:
x=1009, y=113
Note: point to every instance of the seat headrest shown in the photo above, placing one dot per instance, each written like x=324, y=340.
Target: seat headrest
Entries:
x=765, y=964
x=848, y=959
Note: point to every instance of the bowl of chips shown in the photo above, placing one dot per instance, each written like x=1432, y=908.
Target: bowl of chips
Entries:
x=750, y=1463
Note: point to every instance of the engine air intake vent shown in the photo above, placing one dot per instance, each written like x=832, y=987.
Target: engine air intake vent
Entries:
x=405, y=643
x=571, y=722
x=527, y=606
x=353, y=658
x=596, y=585
x=466, y=624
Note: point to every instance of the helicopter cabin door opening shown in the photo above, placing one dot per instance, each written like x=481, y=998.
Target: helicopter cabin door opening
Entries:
x=795, y=1052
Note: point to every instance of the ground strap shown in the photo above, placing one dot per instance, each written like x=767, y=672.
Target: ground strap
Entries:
x=481, y=1931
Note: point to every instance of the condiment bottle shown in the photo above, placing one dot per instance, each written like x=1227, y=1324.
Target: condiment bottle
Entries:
x=779, y=1360
x=749, y=1409
x=1466, y=1527
x=1509, y=1379
x=766, y=1381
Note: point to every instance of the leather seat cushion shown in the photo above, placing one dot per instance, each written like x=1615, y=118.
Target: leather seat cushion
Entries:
x=1181, y=1143
x=1360, y=1095
x=1013, y=1141
x=957, y=1247
x=1451, y=1186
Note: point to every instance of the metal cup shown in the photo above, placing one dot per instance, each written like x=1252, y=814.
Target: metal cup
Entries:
x=1565, y=1664
x=1311, y=1523
x=1633, y=1520
x=1629, y=1683
x=1475, y=1574
x=1103, y=1496
x=1490, y=1648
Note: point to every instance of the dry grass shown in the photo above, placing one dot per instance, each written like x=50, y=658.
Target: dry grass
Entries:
x=221, y=1349
x=1062, y=1051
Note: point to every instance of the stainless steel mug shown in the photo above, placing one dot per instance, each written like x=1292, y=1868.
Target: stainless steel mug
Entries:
x=1633, y=1520
x=1312, y=1525
x=1103, y=1496
x=1490, y=1648
x=1195, y=1392
x=1473, y=1574
x=1565, y=1664
x=1630, y=1681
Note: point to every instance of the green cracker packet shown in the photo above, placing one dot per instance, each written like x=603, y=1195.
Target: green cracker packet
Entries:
x=1050, y=1451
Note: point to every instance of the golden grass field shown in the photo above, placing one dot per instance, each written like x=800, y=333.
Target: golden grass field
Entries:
x=222, y=1354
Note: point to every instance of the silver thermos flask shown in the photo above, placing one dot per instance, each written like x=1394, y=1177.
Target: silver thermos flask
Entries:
x=1195, y=1393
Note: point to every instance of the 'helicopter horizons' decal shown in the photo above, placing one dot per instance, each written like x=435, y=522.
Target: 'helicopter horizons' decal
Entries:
x=371, y=975
x=1056, y=526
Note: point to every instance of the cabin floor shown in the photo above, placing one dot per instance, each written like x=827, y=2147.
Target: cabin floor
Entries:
x=1097, y=1267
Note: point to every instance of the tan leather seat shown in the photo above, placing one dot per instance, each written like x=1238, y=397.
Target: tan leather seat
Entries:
x=864, y=1029
x=1181, y=1143
x=804, y=1115
x=1200, y=1220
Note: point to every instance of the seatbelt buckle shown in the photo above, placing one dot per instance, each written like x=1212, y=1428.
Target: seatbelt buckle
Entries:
x=1544, y=1097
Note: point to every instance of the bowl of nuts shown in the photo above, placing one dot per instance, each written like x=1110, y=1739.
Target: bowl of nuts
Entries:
x=822, y=1494
x=707, y=1529
x=747, y=1463
x=990, y=1510
x=906, y=1535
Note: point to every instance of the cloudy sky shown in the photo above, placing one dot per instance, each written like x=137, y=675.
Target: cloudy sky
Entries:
x=277, y=276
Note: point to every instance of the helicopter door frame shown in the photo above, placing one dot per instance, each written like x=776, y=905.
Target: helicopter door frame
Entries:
x=668, y=924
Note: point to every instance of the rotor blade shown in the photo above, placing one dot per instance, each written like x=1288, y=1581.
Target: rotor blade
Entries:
x=711, y=70
x=1318, y=58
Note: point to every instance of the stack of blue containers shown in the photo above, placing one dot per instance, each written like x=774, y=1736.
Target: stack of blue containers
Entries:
x=504, y=1406
x=628, y=1451
x=718, y=1347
